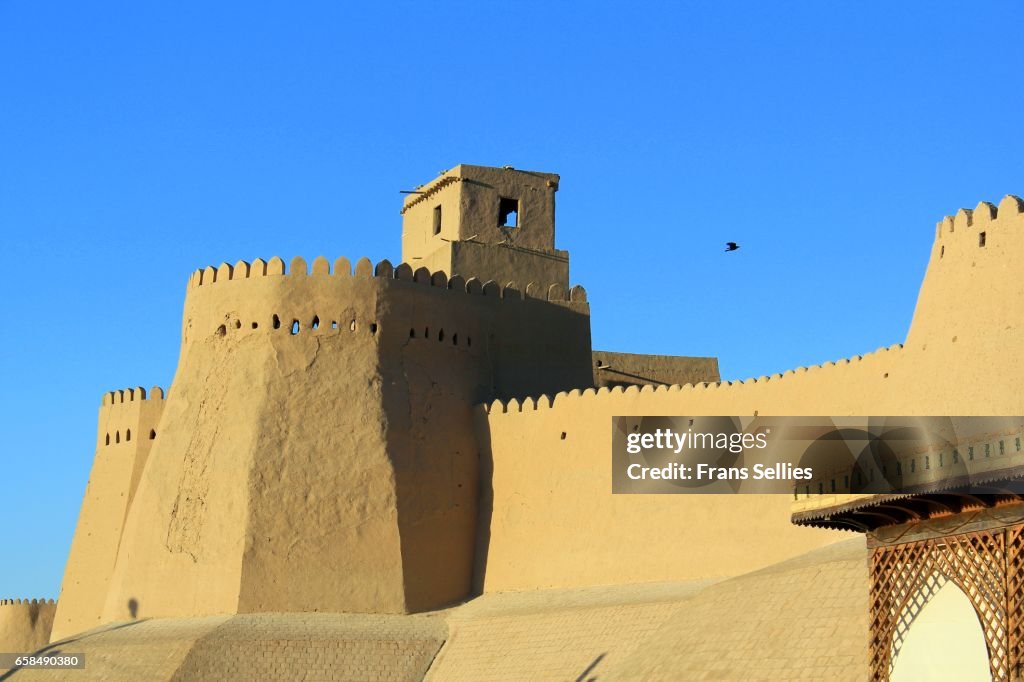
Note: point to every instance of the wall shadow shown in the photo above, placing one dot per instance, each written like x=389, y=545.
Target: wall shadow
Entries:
x=485, y=500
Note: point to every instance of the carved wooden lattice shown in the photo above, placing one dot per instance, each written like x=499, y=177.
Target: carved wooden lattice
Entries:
x=1015, y=597
x=987, y=565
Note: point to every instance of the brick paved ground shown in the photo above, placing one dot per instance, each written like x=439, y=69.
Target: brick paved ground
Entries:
x=805, y=618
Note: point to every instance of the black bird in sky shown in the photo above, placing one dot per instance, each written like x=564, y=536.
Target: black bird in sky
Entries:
x=731, y=246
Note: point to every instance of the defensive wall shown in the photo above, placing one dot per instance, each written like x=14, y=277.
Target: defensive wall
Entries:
x=391, y=440
x=316, y=451
x=25, y=624
x=549, y=519
x=128, y=423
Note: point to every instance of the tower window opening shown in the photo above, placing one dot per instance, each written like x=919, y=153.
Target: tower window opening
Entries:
x=276, y=322
x=437, y=219
x=316, y=322
x=108, y=439
x=508, y=212
x=152, y=434
x=981, y=239
x=295, y=327
x=128, y=435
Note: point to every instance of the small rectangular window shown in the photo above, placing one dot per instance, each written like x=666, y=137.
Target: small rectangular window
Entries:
x=508, y=212
x=981, y=239
x=437, y=220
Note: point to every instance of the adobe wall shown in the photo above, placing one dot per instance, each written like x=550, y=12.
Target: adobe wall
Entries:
x=631, y=369
x=550, y=519
x=418, y=238
x=509, y=263
x=316, y=451
x=469, y=197
x=25, y=624
x=128, y=426
x=470, y=242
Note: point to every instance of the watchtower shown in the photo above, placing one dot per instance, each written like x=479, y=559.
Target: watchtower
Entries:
x=489, y=223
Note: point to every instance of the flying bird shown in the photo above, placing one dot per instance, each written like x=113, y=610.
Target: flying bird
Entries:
x=731, y=246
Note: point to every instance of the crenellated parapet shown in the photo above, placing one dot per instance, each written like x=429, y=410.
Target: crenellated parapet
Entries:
x=829, y=371
x=268, y=295
x=983, y=227
x=129, y=414
x=364, y=268
x=971, y=287
x=25, y=624
x=130, y=395
x=522, y=328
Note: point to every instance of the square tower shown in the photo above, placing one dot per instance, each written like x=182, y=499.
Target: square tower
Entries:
x=489, y=223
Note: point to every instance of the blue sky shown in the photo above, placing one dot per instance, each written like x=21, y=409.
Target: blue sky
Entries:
x=139, y=141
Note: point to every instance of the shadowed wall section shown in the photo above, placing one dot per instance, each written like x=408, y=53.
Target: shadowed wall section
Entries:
x=631, y=369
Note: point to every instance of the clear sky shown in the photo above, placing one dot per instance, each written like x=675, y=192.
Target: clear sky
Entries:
x=139, y=141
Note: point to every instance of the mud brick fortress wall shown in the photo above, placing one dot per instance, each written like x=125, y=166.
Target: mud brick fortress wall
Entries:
x=25, y=624
x=394, y=439
x=962, y=356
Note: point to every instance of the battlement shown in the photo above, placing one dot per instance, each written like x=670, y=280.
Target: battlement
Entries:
x=122, y=411
x=364, y=268
x=130, y=395
x=25, y=624
x=531, y=403
x=985, y=214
